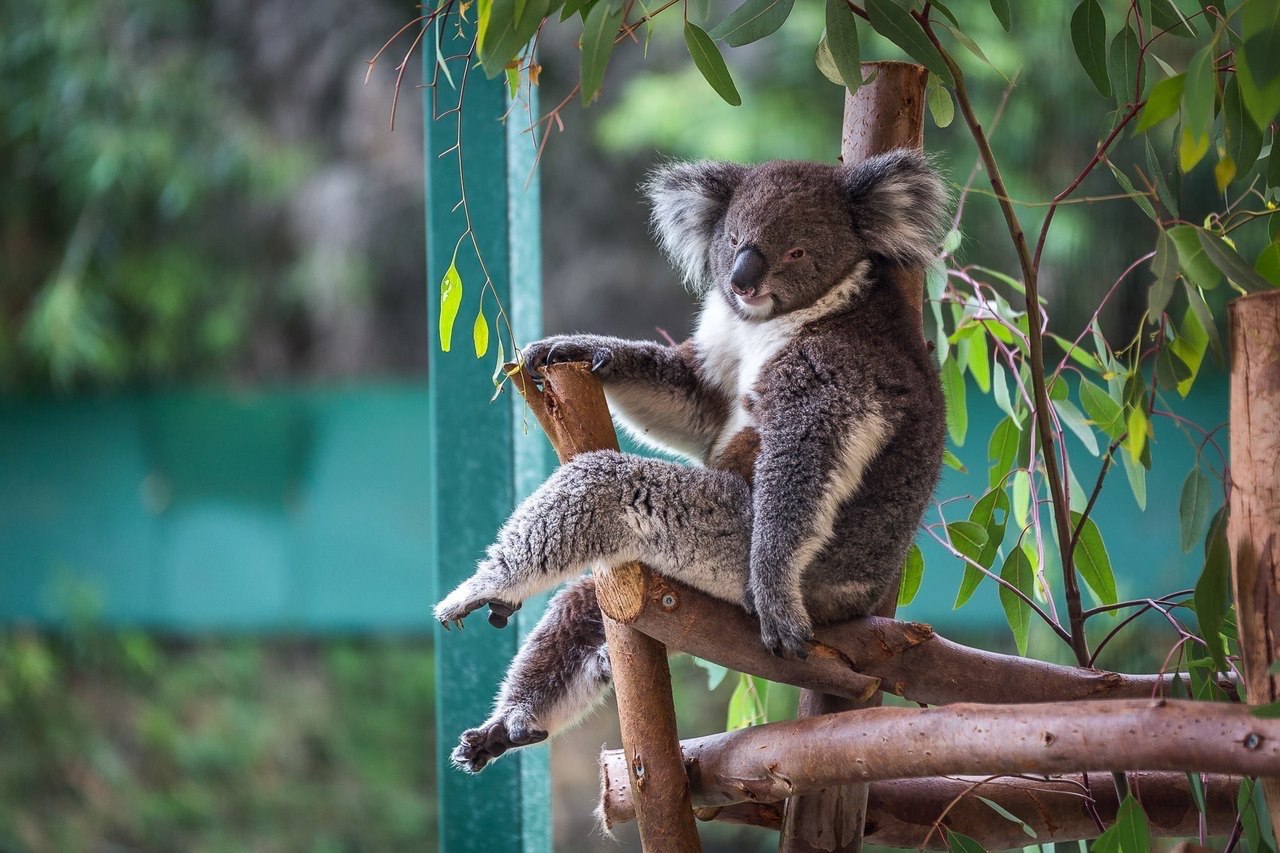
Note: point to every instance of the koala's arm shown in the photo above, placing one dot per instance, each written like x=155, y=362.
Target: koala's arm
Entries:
x=812, y=458
x=656, y=391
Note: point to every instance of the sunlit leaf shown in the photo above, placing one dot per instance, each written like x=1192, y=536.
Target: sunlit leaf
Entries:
x=1197, y=109
x=1075, y=421
x=953, y=391
x=953, y=462
x=1162, y=103
x=1102, y=409
x=1135, y=441
x=450, y=302
x=941, y=107
x=968, y=538
x=1195, y=264
x=480, y=334
x=1131, y=833
x=1002, y=450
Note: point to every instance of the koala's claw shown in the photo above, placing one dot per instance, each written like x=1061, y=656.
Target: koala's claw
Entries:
x=542, y=353
x=785, y=633
x=478, y=746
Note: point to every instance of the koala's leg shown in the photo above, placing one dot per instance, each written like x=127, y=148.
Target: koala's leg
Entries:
x=560, y=673
x=605, y=507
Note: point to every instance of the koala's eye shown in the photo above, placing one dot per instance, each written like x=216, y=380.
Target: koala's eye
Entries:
x=733, y=239
x=795, y=254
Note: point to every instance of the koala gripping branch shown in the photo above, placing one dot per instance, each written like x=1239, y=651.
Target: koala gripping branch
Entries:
x=572, y=410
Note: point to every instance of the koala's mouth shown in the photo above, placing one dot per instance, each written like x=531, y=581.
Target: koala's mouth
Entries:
x=757, y=301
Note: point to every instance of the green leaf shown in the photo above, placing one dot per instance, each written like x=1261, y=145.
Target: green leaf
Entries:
x=1077, y=354
x=1140, y=199
x=1002, y=450
x=1196, y=265
x=991, y=513
x=510, y=26
x=709, y=61
x=1162, y=103
x=977, y=357
x=896, y=24
x=1089, y=37
x=957, y=843
x=1268, y=264
x=1225, y=259
x=1001, y=8
x=1001, y=391
x=1137, y=477
x=1075, y=421
x=953, y=391
x=1123, y=67
x=450, y=302
x=842, y=42
x=940, y=105
x=968, y=538
x=1009, y=816
x=1136, y=427
x=1243, y=138
x=1258, y=64
x=1092, y=562
x=1213, y=590
x=746, y=707
x=953, y=462
x=1166, y=16
x=1164, y=266
x=1017, y=570
x=1105, y=411
x=715, y=672
x=1190, y=346
x=1166, y=195
x=598, y=33
x=1254, y=819
x=1201, y=309
x=1197, y=109
x=912, y=575
x=480, y=334
x=752, y=21
x=1270, y=711
x=1131, y=833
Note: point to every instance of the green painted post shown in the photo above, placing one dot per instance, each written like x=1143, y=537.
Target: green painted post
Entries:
x=484, y=456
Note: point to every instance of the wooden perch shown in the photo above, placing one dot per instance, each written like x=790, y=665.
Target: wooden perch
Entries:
x=572, y=410
x=903, y=812
x=1254, y=528
x=851, y=659
x=771, y=762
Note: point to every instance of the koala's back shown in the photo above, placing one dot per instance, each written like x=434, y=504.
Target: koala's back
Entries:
x=868, y=364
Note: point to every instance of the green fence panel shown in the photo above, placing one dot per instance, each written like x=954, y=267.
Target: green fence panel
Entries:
x=484, y=456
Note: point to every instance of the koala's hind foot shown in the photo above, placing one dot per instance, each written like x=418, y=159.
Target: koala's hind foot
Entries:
x=560, y=674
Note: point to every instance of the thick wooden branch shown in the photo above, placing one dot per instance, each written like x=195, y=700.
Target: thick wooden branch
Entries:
x=851, y=659
x=572, y=410
x=903, y=812
x=1254, y=528
x=772, y=762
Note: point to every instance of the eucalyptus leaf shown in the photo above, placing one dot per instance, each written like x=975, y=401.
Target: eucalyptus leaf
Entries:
x=1001, y=8
x=1092, y=562
x=598, y=34
x=1123, y=66
x=1197, y=109
x=953, y=391
x=1017, y=570
x=895, y=23
x=450, y=302
x=1213, y=590
x=842, y=42
x=912, y=575
x=1089, y=37
x=752, y=21
x=707, y=58
x=1225, y=259
x=1130, y=833
x=1164, y=267
x=1162, y=103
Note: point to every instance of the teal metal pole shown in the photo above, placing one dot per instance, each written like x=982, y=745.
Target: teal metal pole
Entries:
x=484, y=456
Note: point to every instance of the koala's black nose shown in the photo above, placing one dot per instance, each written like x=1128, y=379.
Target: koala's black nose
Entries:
x=748, y=268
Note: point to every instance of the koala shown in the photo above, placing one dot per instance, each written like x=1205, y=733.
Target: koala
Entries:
x=806, y=399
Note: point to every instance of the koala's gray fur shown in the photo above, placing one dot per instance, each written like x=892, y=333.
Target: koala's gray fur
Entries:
x=806, y=392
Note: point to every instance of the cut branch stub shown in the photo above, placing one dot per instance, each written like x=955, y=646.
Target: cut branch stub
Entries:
x=1254, y=527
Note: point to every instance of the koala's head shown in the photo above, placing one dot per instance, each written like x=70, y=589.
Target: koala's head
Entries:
x=776, y=237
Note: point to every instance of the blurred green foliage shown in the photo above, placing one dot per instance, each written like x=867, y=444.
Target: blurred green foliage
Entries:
x=123, y=739
x=132, y=194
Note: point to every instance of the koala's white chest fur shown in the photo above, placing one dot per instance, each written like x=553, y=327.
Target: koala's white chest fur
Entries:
x=733, y=353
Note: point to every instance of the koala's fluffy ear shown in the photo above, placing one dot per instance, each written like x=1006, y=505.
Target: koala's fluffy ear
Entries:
x=689, y=201
x=898, y=204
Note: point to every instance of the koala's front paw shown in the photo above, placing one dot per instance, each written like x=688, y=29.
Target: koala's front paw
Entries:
x=478, y=746
x=785, y=629
x=565, y=348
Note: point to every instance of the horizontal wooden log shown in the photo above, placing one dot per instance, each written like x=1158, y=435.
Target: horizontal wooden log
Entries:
x=852, y=658
x=903, y=812
x=772, y=762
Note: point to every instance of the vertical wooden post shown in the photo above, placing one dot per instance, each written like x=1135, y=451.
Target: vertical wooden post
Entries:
x=573, y=411
x=482, y=462
x=885, y=114
x=1254, y=528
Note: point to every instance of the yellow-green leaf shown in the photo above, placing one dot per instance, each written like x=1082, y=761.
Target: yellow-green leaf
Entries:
x=912, y=575
x=480, y=335
x=450, y=302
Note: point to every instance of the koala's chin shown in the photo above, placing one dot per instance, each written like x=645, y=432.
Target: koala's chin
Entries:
x=760, y=306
